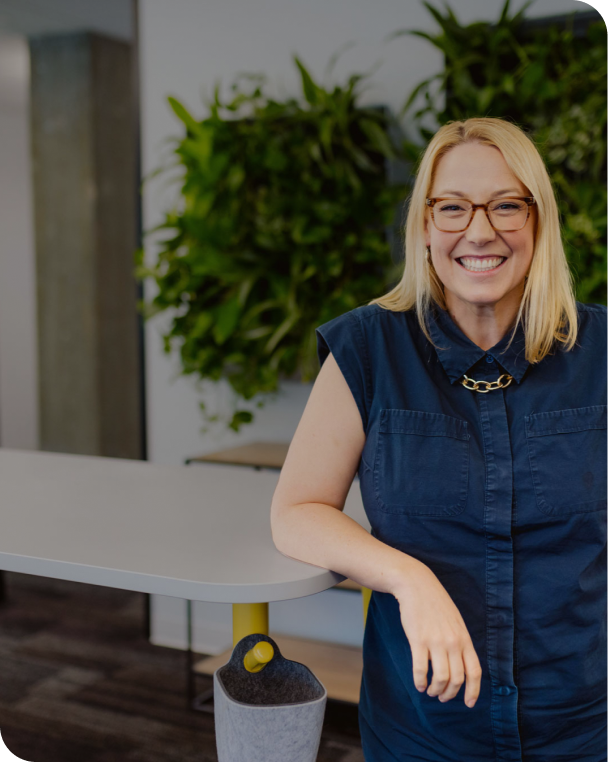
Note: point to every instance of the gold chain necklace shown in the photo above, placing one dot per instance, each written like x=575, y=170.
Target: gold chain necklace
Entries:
x=490, y=385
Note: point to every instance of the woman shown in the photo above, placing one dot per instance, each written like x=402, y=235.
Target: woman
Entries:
x=471, y=400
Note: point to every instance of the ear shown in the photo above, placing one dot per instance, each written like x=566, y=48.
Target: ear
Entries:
x=427, y=235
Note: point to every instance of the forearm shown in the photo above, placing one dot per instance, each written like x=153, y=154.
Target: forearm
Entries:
x=325, y=536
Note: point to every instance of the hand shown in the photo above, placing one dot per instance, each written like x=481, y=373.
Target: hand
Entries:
x=436, y=631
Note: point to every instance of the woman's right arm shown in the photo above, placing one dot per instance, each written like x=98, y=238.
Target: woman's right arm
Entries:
x=308, y=524
x=307, y=516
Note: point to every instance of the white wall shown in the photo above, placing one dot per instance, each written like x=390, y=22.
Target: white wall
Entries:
x=185, y=46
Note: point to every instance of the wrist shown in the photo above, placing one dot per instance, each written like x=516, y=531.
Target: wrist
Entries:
x=406, y=572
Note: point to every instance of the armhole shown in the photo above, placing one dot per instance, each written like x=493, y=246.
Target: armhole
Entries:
x=344, y=338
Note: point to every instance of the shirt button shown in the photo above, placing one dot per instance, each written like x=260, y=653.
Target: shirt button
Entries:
x=489, y=359
x=504, y=690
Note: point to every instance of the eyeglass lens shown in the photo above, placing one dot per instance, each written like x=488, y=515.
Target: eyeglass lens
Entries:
x=505, y=213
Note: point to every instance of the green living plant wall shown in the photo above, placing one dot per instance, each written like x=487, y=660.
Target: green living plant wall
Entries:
x=279, y=226
x=552, y=83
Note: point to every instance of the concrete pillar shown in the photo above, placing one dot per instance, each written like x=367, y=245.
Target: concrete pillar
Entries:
x=84, y=144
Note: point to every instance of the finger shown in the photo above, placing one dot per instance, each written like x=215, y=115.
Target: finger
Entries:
x=441, y=671
x=456, y=675
x=420, y=666
x=472, y=670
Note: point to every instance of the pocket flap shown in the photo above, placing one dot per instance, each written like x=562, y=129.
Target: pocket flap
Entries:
x=566, y=421
x=394, y=421
x=414, y=446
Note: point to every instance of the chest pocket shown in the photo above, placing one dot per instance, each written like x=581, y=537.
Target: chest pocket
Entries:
x=421, y=466
x=567, y=450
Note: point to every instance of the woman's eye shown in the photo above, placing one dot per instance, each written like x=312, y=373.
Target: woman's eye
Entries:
x=506, y=206
x=451, y=208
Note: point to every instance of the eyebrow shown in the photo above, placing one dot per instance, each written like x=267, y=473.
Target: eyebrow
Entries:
x=492, y=195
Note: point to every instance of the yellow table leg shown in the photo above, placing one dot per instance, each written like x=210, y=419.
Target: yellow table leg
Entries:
x=367, y=594
x=247, y=619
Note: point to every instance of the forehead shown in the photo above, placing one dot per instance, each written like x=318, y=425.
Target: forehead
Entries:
x=474, y=170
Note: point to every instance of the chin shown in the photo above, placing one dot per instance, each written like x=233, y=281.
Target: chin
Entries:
x=480, y=296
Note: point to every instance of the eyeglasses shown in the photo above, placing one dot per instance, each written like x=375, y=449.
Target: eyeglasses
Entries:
x=454, y=215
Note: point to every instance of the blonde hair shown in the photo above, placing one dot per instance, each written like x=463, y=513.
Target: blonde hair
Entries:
x=548, y=307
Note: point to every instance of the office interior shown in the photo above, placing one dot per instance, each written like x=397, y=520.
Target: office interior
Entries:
x=179, y=48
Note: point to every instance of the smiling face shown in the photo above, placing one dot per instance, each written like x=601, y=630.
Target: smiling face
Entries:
x=479, y=173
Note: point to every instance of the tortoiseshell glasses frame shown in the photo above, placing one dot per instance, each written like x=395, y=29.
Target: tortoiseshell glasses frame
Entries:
x=529, y=200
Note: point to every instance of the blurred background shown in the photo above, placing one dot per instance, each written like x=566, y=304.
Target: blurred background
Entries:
x=188, y=188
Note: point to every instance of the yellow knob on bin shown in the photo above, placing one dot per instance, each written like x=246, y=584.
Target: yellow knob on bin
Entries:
x=259, y=656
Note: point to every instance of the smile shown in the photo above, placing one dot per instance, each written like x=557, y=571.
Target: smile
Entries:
x=478, y=265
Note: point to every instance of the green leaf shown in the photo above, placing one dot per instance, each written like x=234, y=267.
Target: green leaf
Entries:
x=485, y=95
x=397, y=33
x=413, y=95
x=334, y=58
x=377, y=137
x=202, y=324
x=361, y=159
x=182, y=113
x=240, y=417
x=226, y=317
x=439, y=42
x=311, y=91
x=441, y=20
x=285, y=326
x=504, y=13
x=519, y=16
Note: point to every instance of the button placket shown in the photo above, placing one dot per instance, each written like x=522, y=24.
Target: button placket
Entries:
x=499, y=571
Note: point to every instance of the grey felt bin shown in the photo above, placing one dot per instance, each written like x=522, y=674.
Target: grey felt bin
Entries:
x=275, y=715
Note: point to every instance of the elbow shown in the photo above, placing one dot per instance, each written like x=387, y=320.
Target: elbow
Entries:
x=275, y=537
x=279, y=544
x=281, y=529
x=275, y=528
x=284, y=535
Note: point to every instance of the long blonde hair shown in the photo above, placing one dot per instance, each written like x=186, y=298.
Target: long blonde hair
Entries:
x=548, y=306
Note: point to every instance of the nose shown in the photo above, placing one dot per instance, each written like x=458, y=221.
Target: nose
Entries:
x=480, y=231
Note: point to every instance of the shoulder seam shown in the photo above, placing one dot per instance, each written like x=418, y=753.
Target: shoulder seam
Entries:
x=379, y=311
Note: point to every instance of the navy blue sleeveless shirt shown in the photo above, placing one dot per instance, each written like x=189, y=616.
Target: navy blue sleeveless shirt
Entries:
x=503, y=496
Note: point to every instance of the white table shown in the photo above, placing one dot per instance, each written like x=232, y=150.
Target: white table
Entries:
x=200, y=534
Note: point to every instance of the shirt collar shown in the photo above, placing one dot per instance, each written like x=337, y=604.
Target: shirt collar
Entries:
x=457, y=353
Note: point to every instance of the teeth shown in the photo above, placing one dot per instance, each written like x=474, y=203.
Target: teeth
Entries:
x=477, y=265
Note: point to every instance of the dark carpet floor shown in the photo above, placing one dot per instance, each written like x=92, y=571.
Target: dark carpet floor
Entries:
x=79, y=682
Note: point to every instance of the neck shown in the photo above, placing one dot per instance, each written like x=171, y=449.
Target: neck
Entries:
x=484, y=324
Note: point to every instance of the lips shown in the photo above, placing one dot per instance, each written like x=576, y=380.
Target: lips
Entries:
x=485, y=256
x=473, y=264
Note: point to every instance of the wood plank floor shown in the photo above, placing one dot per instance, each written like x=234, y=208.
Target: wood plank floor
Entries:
x=79, y=682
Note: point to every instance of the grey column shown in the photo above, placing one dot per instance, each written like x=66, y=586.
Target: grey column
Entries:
x=83, y=125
